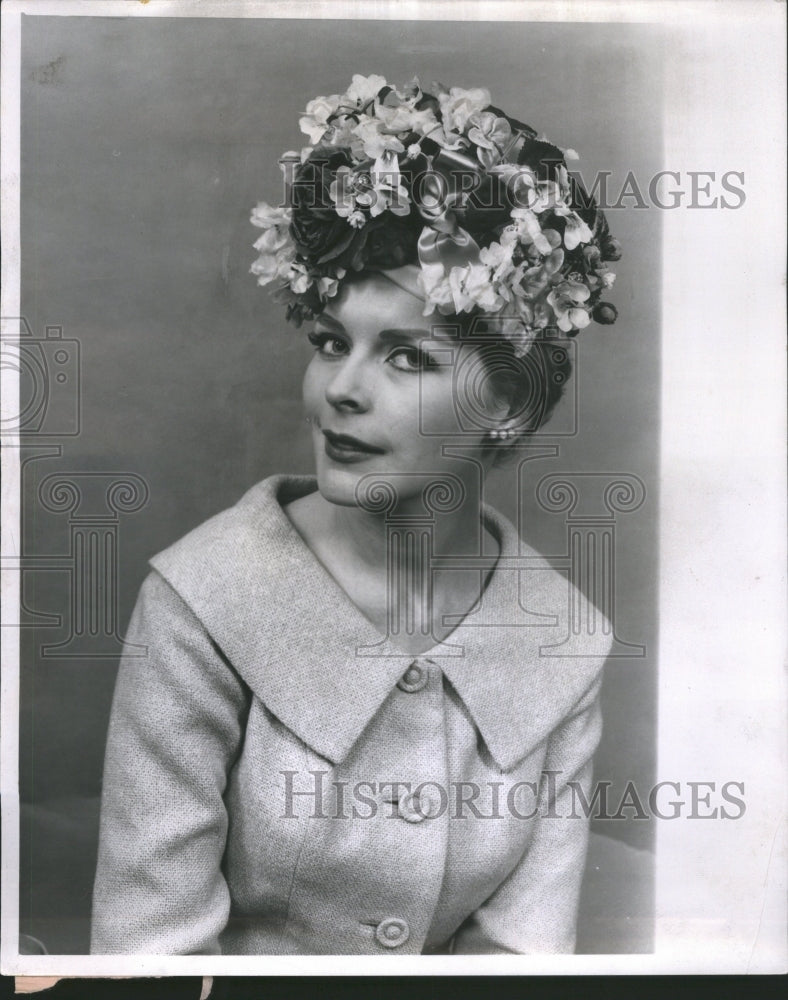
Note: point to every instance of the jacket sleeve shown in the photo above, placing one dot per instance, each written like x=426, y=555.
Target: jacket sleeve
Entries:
x=175, y=730
x=534, y=911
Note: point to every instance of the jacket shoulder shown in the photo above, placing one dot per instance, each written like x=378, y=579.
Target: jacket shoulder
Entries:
x=212, y=562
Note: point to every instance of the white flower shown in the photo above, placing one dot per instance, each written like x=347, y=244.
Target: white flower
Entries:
x=329, y=286
x=576, y=231
x=477, y=284
x=568, y=301
x=471, y=285
x=529, y=231
x=461, y=299
x=315, y=120
x=388, y=191
x=447, y=140
x=275, y=246
x=270, y=266
x=265, y=267
x=435, y=285
x=375, y=140
x=547, y=195
x=520, y=183
x=498, y=256
x=264, y=216
x=299, y=277
x=343, y=192
x=458, y=105
x=340, y=133
x=272, y=240
x=518, y=332
x=363, y=89
x=490, y=134
x=405, y=118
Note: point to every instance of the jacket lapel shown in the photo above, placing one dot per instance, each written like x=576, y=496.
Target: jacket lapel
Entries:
x=324, y=670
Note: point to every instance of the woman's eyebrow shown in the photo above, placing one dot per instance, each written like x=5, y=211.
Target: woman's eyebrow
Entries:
x=407, y=333
x=325, y=320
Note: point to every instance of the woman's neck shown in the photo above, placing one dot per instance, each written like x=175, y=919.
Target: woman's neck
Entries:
x=367, y=535
x=383, y=562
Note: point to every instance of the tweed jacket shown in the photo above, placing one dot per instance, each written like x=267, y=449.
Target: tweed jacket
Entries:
x=281, y=779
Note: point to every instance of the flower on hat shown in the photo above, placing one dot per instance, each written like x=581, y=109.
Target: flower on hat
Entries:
x=390, y=193
x=364, y=89
x=568, y=300
x=484, y=206
x=274, y=246
x=489, y=134
x=457, y=106
x=314, y=121
x=376, y=140
x=529, y=230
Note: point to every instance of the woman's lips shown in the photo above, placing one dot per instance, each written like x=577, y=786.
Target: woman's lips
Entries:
x=344, y=448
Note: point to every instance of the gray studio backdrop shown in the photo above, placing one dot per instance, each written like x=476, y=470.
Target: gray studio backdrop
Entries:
x=145, y=144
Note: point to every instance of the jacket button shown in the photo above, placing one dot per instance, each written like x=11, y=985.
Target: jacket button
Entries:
x=392, y=932
x=416, y=808
x=414, y=679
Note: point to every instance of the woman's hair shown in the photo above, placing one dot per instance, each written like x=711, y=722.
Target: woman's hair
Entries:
x=528, y=386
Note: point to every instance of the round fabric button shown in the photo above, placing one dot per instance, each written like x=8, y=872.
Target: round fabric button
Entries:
x=392, y=932
x=411, y=808
x=416, y=808
x=414, y=679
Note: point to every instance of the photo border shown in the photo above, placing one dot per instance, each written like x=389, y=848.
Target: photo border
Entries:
x=718, y=909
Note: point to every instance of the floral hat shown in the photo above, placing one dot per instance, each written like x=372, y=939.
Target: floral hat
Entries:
x=449, y=197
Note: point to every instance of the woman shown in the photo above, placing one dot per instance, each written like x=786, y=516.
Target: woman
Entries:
x=349, y=734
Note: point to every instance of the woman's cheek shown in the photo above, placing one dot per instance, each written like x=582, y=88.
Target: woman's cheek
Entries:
x=311, y=390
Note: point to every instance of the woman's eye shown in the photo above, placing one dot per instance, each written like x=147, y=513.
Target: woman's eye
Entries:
x=328, y=344
x=411, y=359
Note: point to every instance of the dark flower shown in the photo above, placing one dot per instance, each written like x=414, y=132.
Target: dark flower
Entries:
x=429, y=103
x=517, y=126
x=542, y=157
x=611, y=248
x=319, y=234
x=392, y=241
x=605, y=312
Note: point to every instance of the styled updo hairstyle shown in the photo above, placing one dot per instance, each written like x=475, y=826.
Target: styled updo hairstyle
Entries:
x=529, y=386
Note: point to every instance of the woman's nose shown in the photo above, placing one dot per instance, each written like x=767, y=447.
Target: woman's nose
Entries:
x=349, y=388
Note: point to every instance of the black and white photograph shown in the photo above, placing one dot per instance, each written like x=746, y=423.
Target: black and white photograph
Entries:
x=393, y=488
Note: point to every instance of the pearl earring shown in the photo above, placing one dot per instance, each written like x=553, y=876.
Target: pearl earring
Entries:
x=502, y=433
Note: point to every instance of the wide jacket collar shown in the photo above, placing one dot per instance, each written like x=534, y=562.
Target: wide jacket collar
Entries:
x=324, y=670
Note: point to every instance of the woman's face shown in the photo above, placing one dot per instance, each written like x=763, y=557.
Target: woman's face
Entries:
x=380, y=393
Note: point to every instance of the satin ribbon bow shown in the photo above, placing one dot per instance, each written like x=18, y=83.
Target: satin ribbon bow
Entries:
x=443, y=240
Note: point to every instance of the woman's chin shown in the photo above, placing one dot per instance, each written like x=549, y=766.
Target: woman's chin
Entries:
x=339, y=484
